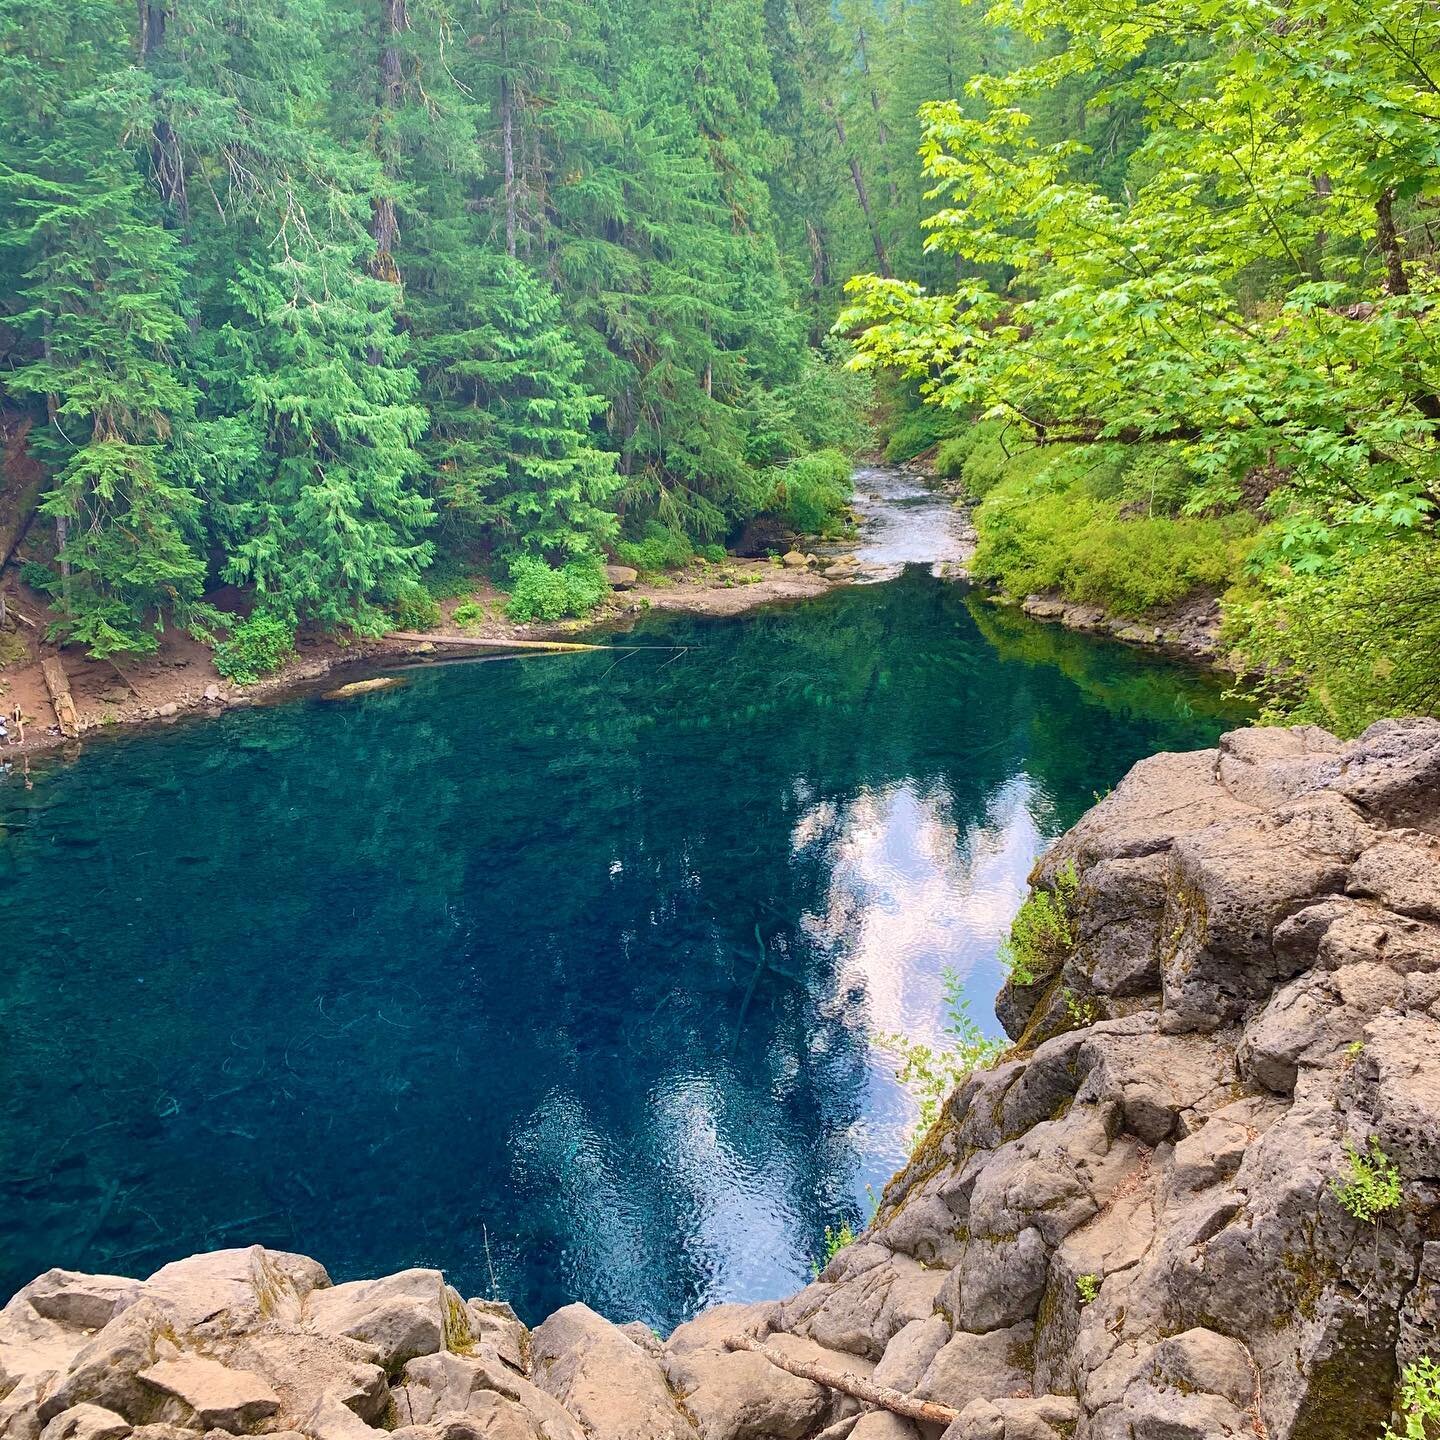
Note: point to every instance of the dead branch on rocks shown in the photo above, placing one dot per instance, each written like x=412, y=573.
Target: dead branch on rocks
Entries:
x=849, y=1384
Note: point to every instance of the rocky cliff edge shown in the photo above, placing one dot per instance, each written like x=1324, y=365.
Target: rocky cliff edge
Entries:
x=1199, y=1197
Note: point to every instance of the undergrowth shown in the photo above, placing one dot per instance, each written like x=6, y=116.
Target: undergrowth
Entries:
x=255, y=647
x=1042, y=935
x=541, y=592
x=931, y=1072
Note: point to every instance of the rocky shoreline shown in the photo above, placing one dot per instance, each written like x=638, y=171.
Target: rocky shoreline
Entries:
x=1199, y=1197
x=1189, y=630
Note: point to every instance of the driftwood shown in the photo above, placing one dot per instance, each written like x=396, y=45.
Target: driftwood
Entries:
x=476, y=642
x=60, y=696
x=849, y=1384
x=841, y=1428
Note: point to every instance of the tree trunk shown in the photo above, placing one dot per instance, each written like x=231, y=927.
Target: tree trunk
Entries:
x=385, y=227
x=847, y=1383
x=62, y=523
x=861, y=194
x=507, y=130
x=880, y=134
x=165, y=159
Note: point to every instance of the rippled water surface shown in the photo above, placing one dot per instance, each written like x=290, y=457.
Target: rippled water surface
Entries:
x=558, y=973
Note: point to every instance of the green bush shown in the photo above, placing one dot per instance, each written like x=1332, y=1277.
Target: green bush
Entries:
x=467, y=613
x=1349, y=643
x=715, y=554
x=1037, y=535
x=255, y=647
x=1373, y=1188
x=1419, y=1402
x=415, y=607
x=812, y=492
x=914, y=432
x=659, y=549
x=541, y=592
x=931, y=1073
x=1042, y=936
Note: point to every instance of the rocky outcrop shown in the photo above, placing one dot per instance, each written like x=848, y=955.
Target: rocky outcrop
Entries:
x=1190, y=628
x=1142, y=1223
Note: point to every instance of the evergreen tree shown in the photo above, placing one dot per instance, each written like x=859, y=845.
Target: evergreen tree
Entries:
x=510, y=440
x=99, y=295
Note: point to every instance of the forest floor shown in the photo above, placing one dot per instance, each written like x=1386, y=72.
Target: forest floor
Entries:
x=180, y=677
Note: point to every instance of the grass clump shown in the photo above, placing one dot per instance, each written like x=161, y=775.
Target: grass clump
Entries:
x=837, y=1237
x=1043, y=935
x=812, y=493
x=416, y=608
x=931, y=1072
x=468, y=613
x=255, y=647
x=1373, y=1188
x=660, y=548
x=542, y=592
x=1419, y=1402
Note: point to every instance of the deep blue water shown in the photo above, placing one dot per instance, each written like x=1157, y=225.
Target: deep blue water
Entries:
x=557, y=973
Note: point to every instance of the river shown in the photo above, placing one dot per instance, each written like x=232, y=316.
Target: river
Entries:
x=560, y=973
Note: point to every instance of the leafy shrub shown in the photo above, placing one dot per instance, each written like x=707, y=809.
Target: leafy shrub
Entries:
x=255, y=647
x=1038, y=538
x=837, y=1238
x=1348, y=643
x=1088, y=1287
x=415, y=607
x=813, y=491
x=715, y=554
x=660, y=549
x=540, y=592
x=468, y=613
x=1042, y=936
x=916, y=431
x=1419, y=1403
x=39, y=577
x=930, y=1074
x=1374, y=1184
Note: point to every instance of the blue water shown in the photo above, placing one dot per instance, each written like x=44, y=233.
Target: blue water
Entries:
x=559, y=973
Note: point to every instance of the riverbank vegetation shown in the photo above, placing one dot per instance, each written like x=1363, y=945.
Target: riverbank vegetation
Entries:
x=1185, y=338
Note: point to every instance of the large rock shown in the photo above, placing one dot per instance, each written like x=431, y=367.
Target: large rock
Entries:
x=404, y=1315
x=606, y=1381
x=218, y=1397
x=436, y=1388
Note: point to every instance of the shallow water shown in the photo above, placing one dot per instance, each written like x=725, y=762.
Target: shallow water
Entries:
x=559, y=973
x=904, y=522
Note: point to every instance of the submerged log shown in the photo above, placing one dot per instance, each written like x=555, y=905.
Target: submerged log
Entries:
x=60, y=697
x=849, y=1384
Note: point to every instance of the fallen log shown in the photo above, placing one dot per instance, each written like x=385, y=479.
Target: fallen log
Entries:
x=60, y=697
x=849, y=1384
x=475, y=642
